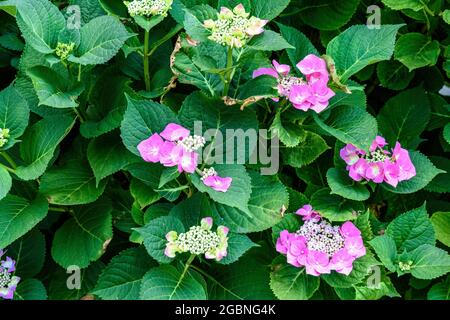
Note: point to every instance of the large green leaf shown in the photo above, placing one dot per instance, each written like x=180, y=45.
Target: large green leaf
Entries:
x=302, y=45
x=154, y=235
x=238, y=244
x=5, y=182
x=40, y=22
x=327, y=14
x=415, y=5
x=107, y=155
x=289, y=133
x=121, y=279
x=168, y=283
x=268, y=10
x=359, y=46
x=29, y=254
x=411, y=229
x=18, y=216
x=84, y=237
x=334, y=207
x=30, y=289
x=39, y=144
x=269, y=41
x=141, y=120
x=350, y=125
x=386, y=250
x=441, y=224
x=308, y=150
x=71, y=184
x=404, y=117
x=14, y=114
x=394, y=75
x=268, y=197
x=416, y=50
x=101, y=39
x=427, y=262
x=342, y=185
x=425, y=170
x=291, y=283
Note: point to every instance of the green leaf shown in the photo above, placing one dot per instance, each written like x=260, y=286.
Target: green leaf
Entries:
x=29, y=254
x=446, y=16
x=358, y=47
x=411, y=229
x=441, y=224
x=308, y=150
x=14, y=114
x=168, y=283
x=350, y=125
x=71, y=184
x=259, y=87
x=289, y=133
x=5, y=182
x=193, y=21
x=446, y=132
x=148, y=23
x=290, y=283
x=342, y=185
x=154, y=234
x=269, y=41
x=268, y=10
x=107, y=155
x=404, y=117
x=302, y=45
x=101, y=39
x=40, y=23
x=416, y=50
x=141, y=120
x=30, y=289
x=142, y=193
x=268, y=197
x=39, y=144
x=428, y=262
x=84, y=237
x=121, y=279
x=192, y=210
x=221, y=125
x=394, y=75
x=414, y=5
x=18, y=216
x=238, y=195
x=290, y=222
x=335, y=208
x=425, y=170
x=238, y=244
x=326, y=14
x=440, y=291
x=114, y=7
x=52, y=89
x=386, y=250
x=441, y=183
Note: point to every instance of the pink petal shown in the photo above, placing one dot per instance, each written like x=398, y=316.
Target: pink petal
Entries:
x=174, y=132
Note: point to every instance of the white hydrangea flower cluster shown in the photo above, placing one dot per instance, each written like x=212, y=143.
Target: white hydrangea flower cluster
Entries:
x=63, y=50
x=4, y=136
x=405, y=266
x=322, y=236
x=287, y=81
x=148, y=8
x=192, y=143
x=377, y=156
x=199, y=240
x=208, y=172
x=234, y=28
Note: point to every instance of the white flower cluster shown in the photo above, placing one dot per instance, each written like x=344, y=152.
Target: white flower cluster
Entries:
x=64, y=49
x=405, y=266
x=5, y=278
x=322, y=236
x=148, y=7
x=286, y=83
x=208, y=172
x=4, y=136
x=192, y=143
x=199, y=240
x=377, y=156
x=234, y=28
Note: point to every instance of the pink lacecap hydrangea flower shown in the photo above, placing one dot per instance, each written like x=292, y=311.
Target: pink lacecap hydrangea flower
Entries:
x=320, y=247
x=378, y=165
x=8, y=282
x=174, y=146
x=304, y=94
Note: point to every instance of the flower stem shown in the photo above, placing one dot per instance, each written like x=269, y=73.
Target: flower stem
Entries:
x=230, y=72
x=9, y=159
x=78, y=113
x=186, y=267
x=7, y=168
x=146, y=57
x=79, y=73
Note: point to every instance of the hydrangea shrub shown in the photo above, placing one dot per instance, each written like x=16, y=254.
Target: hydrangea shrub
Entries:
x=224, y=149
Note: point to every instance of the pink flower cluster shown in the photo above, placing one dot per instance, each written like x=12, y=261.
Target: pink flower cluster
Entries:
x=8, y=282
x=313, y=93
x=175, y=146
x=321, y=247
x=378, y=164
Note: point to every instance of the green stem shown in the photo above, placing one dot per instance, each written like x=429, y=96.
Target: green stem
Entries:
x=9, y=159
x=7, y=168
x=79, y=73
x=77, y=112
x=58, y=209
x=146, y=56
x=186, y=267
x=230, y=72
